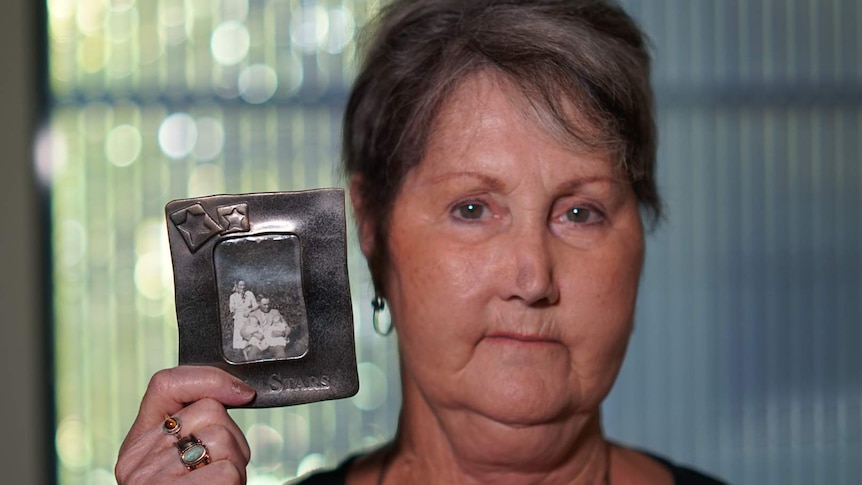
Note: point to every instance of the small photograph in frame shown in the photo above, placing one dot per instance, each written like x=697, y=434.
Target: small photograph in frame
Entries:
x=260, y=298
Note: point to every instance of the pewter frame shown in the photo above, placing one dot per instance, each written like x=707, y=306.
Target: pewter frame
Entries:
x=295, y=248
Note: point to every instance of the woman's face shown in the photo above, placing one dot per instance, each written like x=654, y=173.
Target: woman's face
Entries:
x=513, y=265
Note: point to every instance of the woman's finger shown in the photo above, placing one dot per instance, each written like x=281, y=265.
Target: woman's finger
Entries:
x=208, y=412
x=222, y=472
x=221, y=445
x=167, y=468
x=169, y=391
x=172, y=389
x=157, y=458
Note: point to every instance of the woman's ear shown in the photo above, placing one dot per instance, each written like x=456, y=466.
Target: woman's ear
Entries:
x=365, y=224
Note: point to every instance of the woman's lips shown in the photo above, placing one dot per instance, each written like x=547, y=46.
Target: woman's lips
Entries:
x=511, y=337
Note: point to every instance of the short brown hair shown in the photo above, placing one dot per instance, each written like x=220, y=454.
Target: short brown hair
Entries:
x=586, y=54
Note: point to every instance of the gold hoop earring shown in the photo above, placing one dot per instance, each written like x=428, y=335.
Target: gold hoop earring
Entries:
x=378, y=304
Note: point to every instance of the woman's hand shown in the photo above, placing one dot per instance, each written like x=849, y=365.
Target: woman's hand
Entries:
x=196, y=395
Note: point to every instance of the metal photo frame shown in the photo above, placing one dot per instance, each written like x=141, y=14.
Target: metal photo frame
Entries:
x=262, y=291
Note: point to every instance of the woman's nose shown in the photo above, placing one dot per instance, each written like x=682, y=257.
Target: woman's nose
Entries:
x=531, y=267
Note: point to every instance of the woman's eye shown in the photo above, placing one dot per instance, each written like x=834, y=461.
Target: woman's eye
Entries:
x=470, y=211
x=581, y=215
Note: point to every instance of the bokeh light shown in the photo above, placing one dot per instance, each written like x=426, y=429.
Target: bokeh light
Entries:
x=52, y=154
x=230, y=43
x=73, y=444
x=309, y=27
x=299, y=430
x=62, y=27
x=148, y=275
x=90, y=16
x=290, y=73
x=93, y=53
x=270, y=442
x=123, y=145
x=341, y=29
x=122, y=22
x=257, y=83
x=309, y=463
x=174, y=21
x=206, y=179
x=210, y=139
x=71, y=244
x=266, y=479
x=178, y=135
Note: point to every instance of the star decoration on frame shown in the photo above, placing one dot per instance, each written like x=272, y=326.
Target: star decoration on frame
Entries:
x=234, y=218
x=195, y=225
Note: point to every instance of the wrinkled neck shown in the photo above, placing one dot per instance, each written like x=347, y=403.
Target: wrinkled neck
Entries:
x=459, y=446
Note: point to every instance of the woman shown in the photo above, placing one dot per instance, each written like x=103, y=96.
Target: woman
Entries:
x=241, y=303
x=500, y=155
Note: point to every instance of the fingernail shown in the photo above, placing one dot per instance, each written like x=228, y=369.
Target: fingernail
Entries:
x=242, y=389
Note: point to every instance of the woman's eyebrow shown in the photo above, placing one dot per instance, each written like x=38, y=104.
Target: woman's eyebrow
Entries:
x=580, y=182
x=486, y=180
x=495, y=184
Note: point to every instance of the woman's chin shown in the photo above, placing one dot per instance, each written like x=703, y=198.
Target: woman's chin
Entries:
x=523, y=400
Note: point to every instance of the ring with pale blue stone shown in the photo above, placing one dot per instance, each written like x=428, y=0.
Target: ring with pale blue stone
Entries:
x=193, y=453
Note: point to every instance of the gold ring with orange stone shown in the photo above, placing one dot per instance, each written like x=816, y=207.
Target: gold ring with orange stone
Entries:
x=172, y=426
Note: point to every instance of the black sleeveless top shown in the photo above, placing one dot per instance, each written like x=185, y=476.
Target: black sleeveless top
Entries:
x=338, y=476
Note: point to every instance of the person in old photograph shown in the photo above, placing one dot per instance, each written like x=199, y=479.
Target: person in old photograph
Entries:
x=241, y=303
x=272, y=330
x=253, y=334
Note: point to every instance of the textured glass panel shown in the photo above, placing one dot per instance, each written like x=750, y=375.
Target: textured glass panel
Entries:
x=150, y=104
x=743, y=360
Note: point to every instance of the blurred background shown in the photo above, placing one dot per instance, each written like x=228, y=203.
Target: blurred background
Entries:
x=744, y=361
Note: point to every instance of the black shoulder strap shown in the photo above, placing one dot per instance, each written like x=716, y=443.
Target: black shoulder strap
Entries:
x=683, y=475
